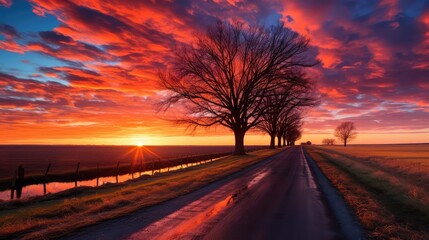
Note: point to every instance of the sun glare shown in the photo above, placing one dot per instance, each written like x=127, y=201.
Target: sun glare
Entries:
x=139, y=144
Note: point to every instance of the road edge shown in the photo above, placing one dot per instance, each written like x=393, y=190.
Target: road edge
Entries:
x=349, y=224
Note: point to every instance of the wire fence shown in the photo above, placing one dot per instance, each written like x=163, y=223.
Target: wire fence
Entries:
x=135, y=168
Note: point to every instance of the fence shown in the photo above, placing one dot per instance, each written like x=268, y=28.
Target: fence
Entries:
x=19, y=180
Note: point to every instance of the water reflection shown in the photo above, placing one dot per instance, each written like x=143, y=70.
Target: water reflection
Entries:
x=196, y=221
x=55, y=187
x=190, y=220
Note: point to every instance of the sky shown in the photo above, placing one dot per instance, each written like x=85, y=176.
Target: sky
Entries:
x=86, y=71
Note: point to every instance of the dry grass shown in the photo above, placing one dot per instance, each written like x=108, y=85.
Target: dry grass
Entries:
x=409, y=159
x=58, y=217
x=387, y=190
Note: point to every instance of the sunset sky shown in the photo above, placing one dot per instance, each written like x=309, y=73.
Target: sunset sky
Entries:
x=85, y=71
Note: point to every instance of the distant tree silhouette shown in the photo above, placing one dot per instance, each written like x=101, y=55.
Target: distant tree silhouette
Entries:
x=328, y=141
x=308, y=143
x=293, y=136
x=345, y=132
x=222, y=78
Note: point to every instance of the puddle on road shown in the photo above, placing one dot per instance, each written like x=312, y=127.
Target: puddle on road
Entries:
x=259, y=176
x=187, y=226
x=198, y=220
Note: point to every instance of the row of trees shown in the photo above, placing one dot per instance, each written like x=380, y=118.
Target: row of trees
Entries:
x=242, y=78
x=282, y=115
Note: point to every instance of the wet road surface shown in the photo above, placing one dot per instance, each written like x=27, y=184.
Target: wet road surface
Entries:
x=276, y=199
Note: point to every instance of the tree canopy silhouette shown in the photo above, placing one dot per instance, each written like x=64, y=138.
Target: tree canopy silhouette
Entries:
x=294, y=134
x=223, y=76
x=345, y=132
x=281, y=106
x=290, y=125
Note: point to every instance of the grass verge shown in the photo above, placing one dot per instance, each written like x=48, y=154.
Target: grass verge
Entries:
x=381, y=200
x=53, y=217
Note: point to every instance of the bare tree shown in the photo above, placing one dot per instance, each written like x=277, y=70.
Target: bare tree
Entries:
x=345, y=132
x=328, y=141
x=222, y=78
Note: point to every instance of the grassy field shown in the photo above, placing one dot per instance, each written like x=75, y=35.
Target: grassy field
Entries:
x=387, y=186
x=50, y=217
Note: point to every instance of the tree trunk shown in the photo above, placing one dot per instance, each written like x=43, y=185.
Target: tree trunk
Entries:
x=279, y=141
x=345, y=142
x=272, y=142
x=284, y=141
x=239, y=142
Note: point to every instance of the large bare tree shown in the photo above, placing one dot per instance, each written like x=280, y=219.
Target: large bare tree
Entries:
x=345, y=132
x=223, y=76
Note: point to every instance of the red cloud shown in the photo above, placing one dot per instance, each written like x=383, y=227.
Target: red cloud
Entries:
x=11, y=46
x=6, y=3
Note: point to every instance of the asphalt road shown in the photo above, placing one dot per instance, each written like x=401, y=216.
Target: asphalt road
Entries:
x=276, y=199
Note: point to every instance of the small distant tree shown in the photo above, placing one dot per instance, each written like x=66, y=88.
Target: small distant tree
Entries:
x=309, y=143
x=345, y=132
x=328, y=141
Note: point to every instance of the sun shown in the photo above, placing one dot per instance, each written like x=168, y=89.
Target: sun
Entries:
x=139, y=144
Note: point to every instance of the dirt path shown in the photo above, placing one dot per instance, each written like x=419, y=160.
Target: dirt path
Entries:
x=275, y=199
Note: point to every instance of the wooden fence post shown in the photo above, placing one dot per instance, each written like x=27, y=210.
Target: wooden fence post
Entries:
x=20, y=181
x=98, y=172
x=76, y=174
x=45, y=179
x=12, y=188
x=141, y=166
x=117, y=172
x=132, y=165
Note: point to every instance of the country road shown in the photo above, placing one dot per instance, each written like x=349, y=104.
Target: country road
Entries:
x=275, y=199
